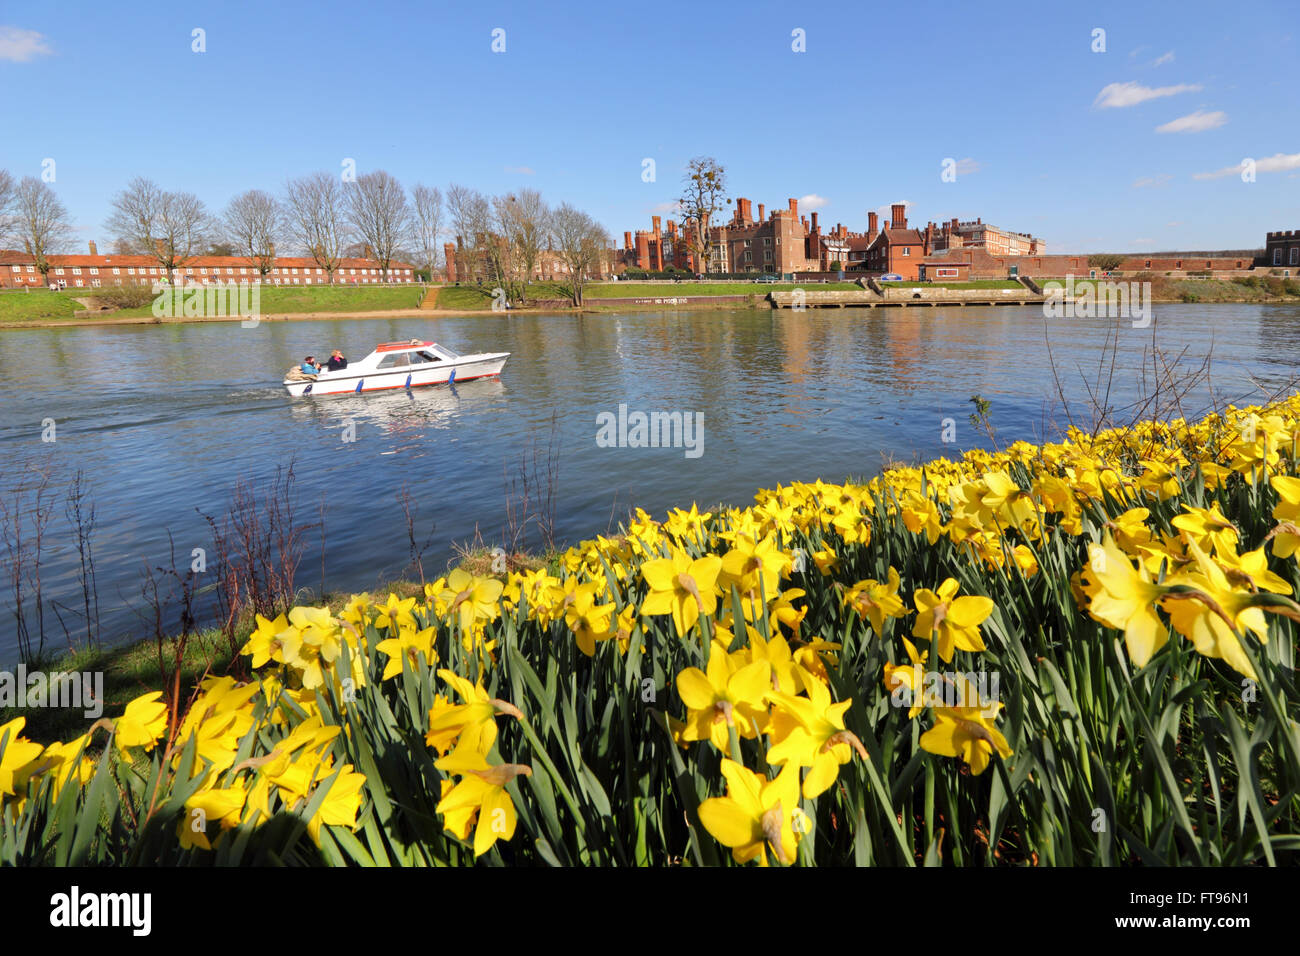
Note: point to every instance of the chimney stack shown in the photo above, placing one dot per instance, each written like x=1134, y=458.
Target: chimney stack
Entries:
x=449, y=260
x=871, y=225
x=761, y=217
x=899, y=216
x=794, y=208
x=93, y=250
x=627, y=240
x=814, y=218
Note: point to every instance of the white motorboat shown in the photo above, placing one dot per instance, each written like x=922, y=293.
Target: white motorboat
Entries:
x=398, y=365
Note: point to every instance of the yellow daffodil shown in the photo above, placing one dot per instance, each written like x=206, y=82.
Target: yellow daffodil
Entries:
x=480, y=791
x=142, y=723
x=721, y=698
x=810, y=731
x=683, y=587
x=968, y=733
x=757, y=814
x=951, y=622
x=1123, y=597
x=876, y=601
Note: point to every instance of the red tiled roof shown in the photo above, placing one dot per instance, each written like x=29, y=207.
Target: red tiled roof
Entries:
x=908, y=236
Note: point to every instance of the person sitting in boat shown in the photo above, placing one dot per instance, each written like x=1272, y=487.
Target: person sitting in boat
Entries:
x=337, y=361
x=309, y=365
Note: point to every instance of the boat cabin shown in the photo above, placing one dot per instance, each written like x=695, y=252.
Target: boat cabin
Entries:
x=402, y=354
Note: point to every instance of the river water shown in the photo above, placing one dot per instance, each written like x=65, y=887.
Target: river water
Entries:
x=164, y=420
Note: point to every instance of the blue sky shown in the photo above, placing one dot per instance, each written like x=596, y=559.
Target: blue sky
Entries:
x=1048, y=136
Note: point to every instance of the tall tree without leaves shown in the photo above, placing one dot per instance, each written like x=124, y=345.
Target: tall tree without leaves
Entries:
x=521, y=225
x=7, y=189
x=582, y=243
x=41, y=222
x=316, y=218
x=253, y=224
x=704, y=188
x=471, y=214
x=379, y=215
x=172, y=227
x=427, y=205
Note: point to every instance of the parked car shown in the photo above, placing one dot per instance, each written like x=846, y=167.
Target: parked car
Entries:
x=768, y=279
x=891, y=277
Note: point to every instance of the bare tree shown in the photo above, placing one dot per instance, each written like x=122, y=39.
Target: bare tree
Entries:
x=703, y=195
x=428, y=224
x=471, y=215
x=40, y=222
x=316, y=218
x=379, y=214
x=523, y=222
x=253, y=222
x=582, y=243
x=6, y=205
x=170, y=226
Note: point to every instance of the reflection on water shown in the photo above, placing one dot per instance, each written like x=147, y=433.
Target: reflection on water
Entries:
x=165, y=419
x=406, y=417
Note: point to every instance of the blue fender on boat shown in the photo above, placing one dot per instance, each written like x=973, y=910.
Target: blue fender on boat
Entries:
x=360, y=382
x=307, y=390
x=408, y=380
x=451, y=380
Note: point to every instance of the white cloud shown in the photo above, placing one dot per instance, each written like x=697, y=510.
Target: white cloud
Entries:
x=19, y=46
x=1158, y=180
x=1162, y=60
x=1197, y=122
x=812, y=201
x=1131, y=94
x=1269, y=164
x=521, y=170
x=967, y=166
x=674, y=207
x=884, y=212
x=1171, y=225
